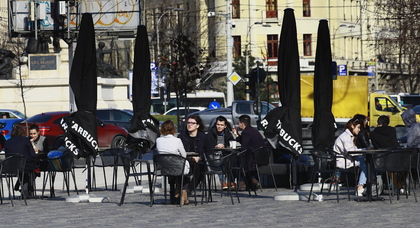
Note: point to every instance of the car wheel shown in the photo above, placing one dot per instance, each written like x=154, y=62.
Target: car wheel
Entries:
x=118, y=142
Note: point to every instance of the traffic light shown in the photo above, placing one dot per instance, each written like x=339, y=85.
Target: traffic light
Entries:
x=250, y=85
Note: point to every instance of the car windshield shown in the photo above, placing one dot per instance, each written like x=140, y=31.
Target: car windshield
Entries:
x=40, y=118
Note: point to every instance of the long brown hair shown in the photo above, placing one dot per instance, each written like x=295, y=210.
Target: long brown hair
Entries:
x=351, y=124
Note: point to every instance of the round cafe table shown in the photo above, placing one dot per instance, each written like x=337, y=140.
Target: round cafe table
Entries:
x=368, y=154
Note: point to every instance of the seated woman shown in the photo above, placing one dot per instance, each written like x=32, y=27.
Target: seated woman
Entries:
x=347, y=142
x=20, y=144
x=39, y=142
x=167, y=143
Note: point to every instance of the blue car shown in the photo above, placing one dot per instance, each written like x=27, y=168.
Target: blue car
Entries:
x=6, y=126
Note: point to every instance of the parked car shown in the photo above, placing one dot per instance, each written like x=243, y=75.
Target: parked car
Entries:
x=109, y=136
x=183, y=110
x=6, y=126
x=117, y=117
x=232, y=113
x=11, y=113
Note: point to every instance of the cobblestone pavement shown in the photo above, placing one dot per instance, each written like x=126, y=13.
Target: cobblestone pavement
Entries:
x=254, y=211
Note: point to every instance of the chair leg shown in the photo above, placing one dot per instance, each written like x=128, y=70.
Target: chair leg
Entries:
x=230, y=190
x=1, y=191
x=312, y=185
x=153, y=190
x=389, y=187
x=181, y=196
x=124, y=190
x=23, y=188
x=9, y=187
x=74, y=180
x=412, y=185
x=149, y=176
x=106, y=184
x=272, y=175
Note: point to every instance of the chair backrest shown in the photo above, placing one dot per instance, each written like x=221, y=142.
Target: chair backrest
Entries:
x=61, y=164
x=217, y=162
x=262, y=156
x=169, y=164
x=323, y=160
x=13, y=165
x=108, y=156
x=397, y=160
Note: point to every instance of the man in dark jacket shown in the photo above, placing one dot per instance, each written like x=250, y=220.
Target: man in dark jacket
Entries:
x=384, y=136
x=250, y=140
x=193, y=139
x=219, y=136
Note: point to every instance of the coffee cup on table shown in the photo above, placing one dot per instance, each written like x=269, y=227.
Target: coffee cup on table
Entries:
x=232, y=144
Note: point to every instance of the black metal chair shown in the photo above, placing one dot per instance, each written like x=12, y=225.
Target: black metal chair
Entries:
x=109, y=158
x=265, y=165
x=238, y=162
x=62, y=165
x=130, y=160
x=349, y=168
x=396, y=161
x=217, y=164
x=322, y=165
x=13, y=166
x=415, y=165
x=166, y=165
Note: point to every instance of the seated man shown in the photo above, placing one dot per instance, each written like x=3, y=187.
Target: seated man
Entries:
x=219, y=136
x=250, y=139
x=384, y=136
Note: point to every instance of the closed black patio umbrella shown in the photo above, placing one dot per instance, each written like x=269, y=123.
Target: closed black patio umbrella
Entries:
x=80, y=127
x=282, y=126
x=144, y=127
x=323, y=128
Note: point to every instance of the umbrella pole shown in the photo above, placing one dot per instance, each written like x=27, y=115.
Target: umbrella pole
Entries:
x=87, y=188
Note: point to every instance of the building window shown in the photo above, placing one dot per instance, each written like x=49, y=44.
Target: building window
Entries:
x=271, y=8
x=307, y=44
x=272, y=46
x=236, y=52
x=236, y=10
x=306, y=8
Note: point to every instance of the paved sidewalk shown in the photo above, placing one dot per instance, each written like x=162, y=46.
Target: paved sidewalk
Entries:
x=254, y=211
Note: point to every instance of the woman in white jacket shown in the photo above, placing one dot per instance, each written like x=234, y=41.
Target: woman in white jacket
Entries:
x=167, y=143
x=347, y=142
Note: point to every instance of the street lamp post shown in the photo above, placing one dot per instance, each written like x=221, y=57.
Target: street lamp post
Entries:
x=335, y=32
x=168, y=9
x=229, y=84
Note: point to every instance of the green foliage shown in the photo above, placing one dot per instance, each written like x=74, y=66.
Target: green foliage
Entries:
x=166, y=117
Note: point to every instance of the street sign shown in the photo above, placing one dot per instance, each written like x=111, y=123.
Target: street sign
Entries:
x=342, y=70
x=214, y=105
x=234, y=78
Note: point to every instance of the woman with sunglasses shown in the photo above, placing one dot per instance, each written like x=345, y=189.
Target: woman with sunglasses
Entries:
x=347, y=142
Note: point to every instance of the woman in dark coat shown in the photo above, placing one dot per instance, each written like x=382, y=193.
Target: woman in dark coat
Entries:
x=20, y=144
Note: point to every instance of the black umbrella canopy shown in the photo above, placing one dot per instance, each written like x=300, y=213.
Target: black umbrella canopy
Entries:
x=144, y=127
x=283, y=125
x=323, y=128
x=80, y=127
